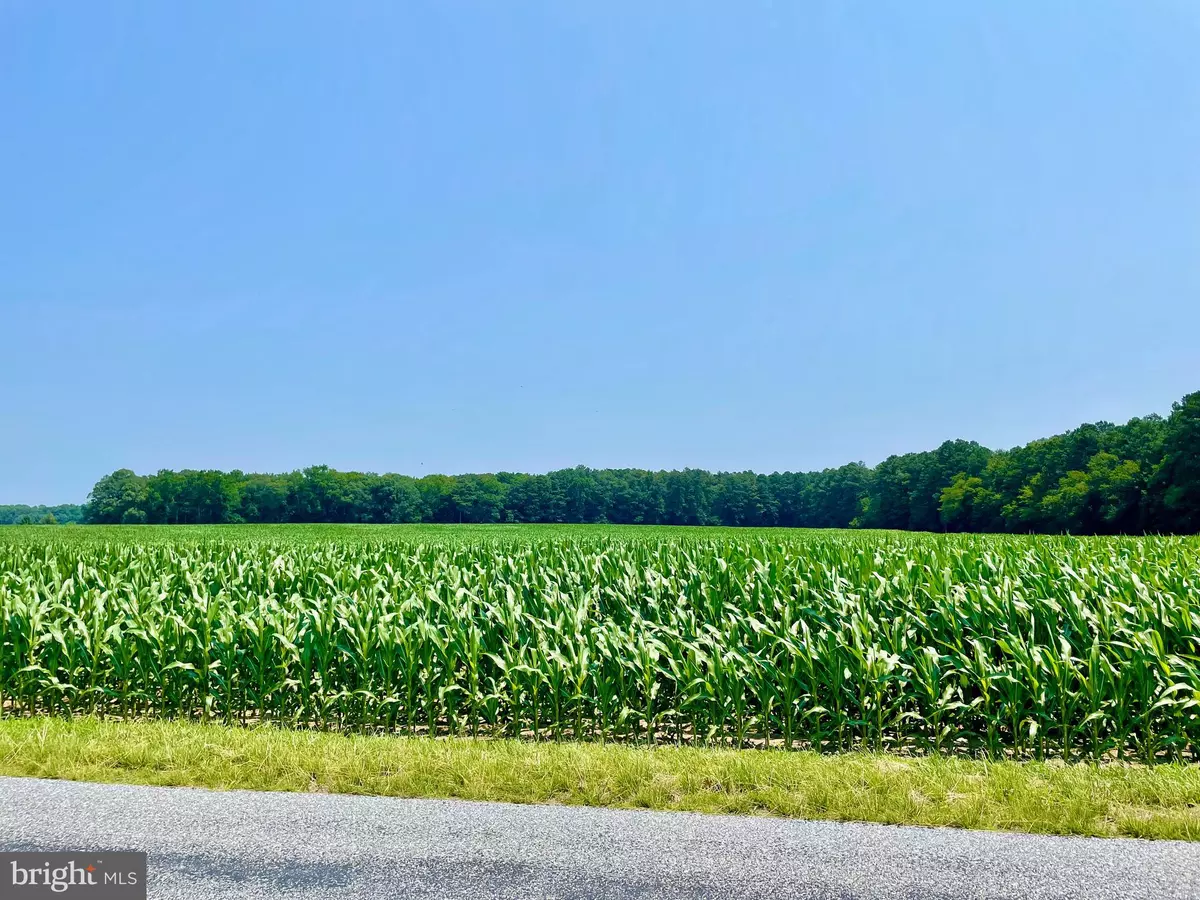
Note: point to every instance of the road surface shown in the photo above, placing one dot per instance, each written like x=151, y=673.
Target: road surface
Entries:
x=255, y=845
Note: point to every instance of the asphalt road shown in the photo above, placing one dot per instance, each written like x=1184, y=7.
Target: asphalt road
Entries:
x=247, y=845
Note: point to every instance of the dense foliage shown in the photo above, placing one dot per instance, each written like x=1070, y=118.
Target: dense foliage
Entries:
x=1001, y=645
x=1140, y=477
x=41, y=515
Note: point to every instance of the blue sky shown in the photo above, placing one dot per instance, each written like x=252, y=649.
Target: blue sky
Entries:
x=447, y=237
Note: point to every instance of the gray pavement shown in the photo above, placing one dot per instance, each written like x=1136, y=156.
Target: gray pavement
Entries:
x=248, y=845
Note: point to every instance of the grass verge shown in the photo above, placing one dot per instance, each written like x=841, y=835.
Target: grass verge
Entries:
x=1110, y=800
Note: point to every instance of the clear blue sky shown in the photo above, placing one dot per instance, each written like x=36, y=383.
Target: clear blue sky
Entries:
x=447, y=237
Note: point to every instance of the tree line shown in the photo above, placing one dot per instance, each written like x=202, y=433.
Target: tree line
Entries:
x=1140, y=477
x=20, y=514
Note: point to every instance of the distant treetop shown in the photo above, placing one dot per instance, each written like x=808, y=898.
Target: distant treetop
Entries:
x=1143, y=476
x=41, y=515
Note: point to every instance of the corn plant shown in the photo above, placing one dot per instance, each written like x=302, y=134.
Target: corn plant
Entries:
x=993, y=646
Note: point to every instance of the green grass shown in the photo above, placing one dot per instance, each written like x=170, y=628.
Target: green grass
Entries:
x=1160, y=801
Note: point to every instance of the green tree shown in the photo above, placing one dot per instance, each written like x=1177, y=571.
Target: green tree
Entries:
x=394, y=499
x=966, y=504
x=1178, y=477
x=64, y=513
x=263, y=498
x=536, y=498
x=1065, y=508
x=583, y=494
x=635, y=496
x=738, y=500
x=478, y=498
x=437, y=497
x=1097, y=478
x=114, y=495
x=1117, y=488
x=687, y=497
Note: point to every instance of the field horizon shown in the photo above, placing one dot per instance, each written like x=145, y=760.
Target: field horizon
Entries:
x=1099, y=478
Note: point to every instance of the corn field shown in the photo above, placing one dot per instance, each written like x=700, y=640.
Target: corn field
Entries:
x=983, y=645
